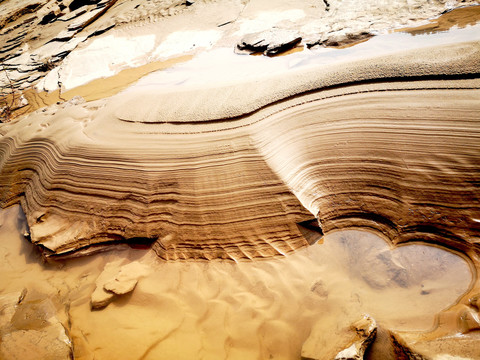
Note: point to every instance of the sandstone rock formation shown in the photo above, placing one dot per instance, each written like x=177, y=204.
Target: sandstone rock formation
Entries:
x=469, y=319
x=365, y=333
x=223, y=175
x=388, y=345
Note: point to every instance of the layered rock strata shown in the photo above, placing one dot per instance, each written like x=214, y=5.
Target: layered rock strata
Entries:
x=389, y=144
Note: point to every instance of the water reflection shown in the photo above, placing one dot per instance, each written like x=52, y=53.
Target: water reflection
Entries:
x=458, y=18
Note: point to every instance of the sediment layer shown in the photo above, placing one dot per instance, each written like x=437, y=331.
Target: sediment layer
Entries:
x=388, y=143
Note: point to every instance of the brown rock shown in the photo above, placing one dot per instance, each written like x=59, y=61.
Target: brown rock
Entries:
x=100, y=297
x=365, y=330
x=339, y=39
x=469, y=320
x=390, y=346
x=475, y=301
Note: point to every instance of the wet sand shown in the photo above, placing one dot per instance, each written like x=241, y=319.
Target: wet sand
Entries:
x=458, y=18
x=262, y=309
x=94, y=90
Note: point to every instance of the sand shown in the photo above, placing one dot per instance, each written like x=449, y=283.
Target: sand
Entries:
x=218, y=309
x=183, y=215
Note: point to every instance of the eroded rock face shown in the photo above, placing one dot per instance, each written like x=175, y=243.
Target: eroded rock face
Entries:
x=365, y=333
x=469, y=317
x=27, y=53
x=388, y=345
x=210, y=178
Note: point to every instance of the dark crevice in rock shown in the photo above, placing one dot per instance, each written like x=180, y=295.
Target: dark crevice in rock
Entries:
x=19, y=13
x=311, y=230
x=101, y=31
x=116, y=243
x=76, y=4
x=50, y=17
x=327, y=5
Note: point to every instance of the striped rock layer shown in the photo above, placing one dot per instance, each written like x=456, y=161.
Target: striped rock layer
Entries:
x=391, y=144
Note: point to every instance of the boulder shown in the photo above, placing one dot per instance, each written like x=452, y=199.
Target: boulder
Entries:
x=351, y=342
x=339, y=39
x=116, y=280
x=270, y=42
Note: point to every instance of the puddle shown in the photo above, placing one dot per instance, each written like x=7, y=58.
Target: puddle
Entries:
x=458, y=18
x=262, y=309
x=96, y=89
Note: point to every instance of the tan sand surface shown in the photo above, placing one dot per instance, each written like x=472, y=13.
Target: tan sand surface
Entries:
x=217, y=309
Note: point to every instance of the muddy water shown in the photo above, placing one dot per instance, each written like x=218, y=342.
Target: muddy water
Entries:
x=214, y=310
x=458, y=18
x=94, y=90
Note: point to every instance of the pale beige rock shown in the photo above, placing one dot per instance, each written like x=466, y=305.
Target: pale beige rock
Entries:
x=116, y=280
x=101, y=297
x=127, y=278
x=350, y=343
x=120, y=287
